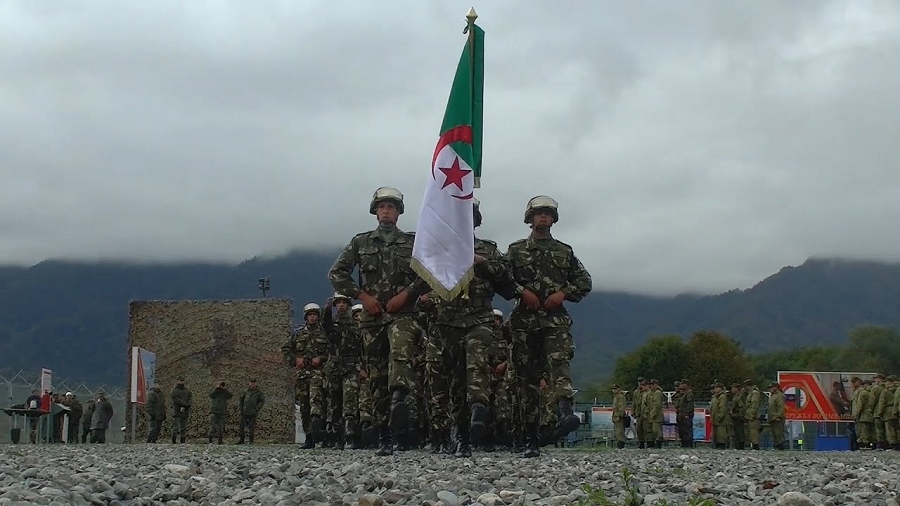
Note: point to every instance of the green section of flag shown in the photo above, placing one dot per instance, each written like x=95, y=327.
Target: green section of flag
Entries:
x=466, y=103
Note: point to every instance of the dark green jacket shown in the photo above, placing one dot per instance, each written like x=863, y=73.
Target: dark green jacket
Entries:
x=219, y=397
x=181, y=401
x=156, y=405
x=252, y=402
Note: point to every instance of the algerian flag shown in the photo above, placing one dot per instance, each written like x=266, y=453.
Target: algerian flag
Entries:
x=445, y=238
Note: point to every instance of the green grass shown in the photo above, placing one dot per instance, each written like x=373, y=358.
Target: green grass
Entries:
x=633, y=497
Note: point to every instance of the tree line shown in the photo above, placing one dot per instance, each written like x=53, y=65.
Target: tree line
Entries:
x=709, y=355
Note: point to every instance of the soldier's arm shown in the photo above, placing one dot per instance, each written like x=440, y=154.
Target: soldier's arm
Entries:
x=579, y=282
x=262, y=400
x=289, y=350
x=508, y=287
x=341, y=273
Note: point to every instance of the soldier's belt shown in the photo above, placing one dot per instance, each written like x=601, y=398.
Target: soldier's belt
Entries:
x=470, y=303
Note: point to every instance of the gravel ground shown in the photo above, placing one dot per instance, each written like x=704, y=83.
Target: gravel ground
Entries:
x=282, y=475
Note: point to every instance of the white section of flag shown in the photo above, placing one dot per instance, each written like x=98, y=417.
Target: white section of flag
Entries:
x=445, y=236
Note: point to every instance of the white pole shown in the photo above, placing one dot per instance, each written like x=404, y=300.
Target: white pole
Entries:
x=133, y=422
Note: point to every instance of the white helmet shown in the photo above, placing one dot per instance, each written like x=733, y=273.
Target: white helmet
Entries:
x=356, y=307
x=541, y=202
x=312, y=306
x=498, y=313
x=386, y=193
x=339, y=296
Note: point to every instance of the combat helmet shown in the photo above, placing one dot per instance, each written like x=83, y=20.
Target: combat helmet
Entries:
x=386, y=193
x=498, y=313
x=477, y=205
x=355, y=308
x=339, y=296
x=541, y=202
x=312, y=307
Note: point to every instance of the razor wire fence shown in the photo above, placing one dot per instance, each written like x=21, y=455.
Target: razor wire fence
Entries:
x=18, y=386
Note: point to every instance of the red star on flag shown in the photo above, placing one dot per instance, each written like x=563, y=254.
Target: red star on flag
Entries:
x=454, y=174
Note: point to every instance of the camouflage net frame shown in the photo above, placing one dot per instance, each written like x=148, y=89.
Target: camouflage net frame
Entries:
x=217, y=340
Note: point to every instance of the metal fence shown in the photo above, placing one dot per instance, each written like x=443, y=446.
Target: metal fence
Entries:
x=17, y=387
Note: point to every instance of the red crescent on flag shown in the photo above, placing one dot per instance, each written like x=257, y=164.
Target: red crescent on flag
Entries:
x=464, y=197
x=462, y=133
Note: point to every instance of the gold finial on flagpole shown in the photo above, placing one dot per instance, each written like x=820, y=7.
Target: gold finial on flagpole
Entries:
x=470, y=17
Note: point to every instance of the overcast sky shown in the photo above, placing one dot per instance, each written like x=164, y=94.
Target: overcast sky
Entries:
x=693, y=146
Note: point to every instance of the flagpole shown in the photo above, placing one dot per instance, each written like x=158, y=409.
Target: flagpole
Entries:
x=471, y=16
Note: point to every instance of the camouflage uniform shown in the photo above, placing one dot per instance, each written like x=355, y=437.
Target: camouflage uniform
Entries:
x=465, y=330
x=308, y=343
x=345, y=363
x=637, y=407
x=878, y=405
x=389, y=339
x=516, y=395
x=437, y=378
x=156, y=413
x=501, y=410
x=719, y=415
x=366, y=403
x=864, y=414
x=541, y=338
x=415, y=398
x=653, y=415
x=890, y=412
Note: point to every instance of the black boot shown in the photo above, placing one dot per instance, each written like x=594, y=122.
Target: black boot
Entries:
x=183, y=439
x=174, y=440
x=386, y=446
x=317, y=427
x=367, y=434
x=620, y=444
x=477, y=423
x=641, y=445
x=210, y=439
x=533, y=448
x=399, y=412
x=519, y=441
x=310, y=442
x=568, y=422
x=437, y=440
x=462, y=444
x=220, y=439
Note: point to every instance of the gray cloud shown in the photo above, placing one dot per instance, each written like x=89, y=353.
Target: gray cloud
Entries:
x=692, y=146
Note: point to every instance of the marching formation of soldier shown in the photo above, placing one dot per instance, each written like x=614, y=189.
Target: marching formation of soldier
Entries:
x=405, y=366
x=876, y=410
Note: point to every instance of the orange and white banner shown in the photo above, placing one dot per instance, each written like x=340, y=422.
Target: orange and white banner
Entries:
x=818, y=396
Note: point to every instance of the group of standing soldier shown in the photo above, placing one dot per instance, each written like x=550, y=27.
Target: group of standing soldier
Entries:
x=735, y=418
x=407, y=363
x=181, y=399
x=876, y=409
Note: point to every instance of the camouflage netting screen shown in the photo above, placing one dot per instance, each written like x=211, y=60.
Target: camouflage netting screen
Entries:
x=217, y=340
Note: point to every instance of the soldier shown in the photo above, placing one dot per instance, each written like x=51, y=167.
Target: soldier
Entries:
x=250, y=404
x=676, y=393
x=653, y=414
x=637, y=405
x=877, y=391
x=516, y=396
x=366, y=404
x=684, y=413
x=548, y=432
x=388, y=289
x=751, y=413
x=181, y=399
x=544, y=273
x=618, y=415
x=890, y=412
x=775, y=415
x=738, y=412
x=720, y=417
x=103, y=413
x=862, y=413
x=85, y=421
x=500, y=412
x=307, y=351
x=75, y=412
x=345, y=359
x=156, y=413
x=465, y=328
x=218, y=410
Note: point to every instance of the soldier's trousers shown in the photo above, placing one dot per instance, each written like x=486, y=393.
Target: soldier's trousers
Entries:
x=98, y=436
x=345, y=402
x=720, y=434
x=865, y=432
x=85, y=432
x=777, y=427
x=890, y=427
x=548, y=408
x=466, y=352
x=619, y=431
x=72, y=435
x=155, y=429
x=739, y=434
x=753, y=431
x=248, y=427
x=639, y=428
x=647, y=429
x=686, y=429
x=366, y=404
x=179, y=426
x=656, y=431
x=216, y=425
x=389, y=349
x=880, y=434
x=309, y=390
x=535, y=352
x=437, y=375
x=500, y=407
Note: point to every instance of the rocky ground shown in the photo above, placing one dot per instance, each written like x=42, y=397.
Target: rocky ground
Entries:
x=283, y=475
